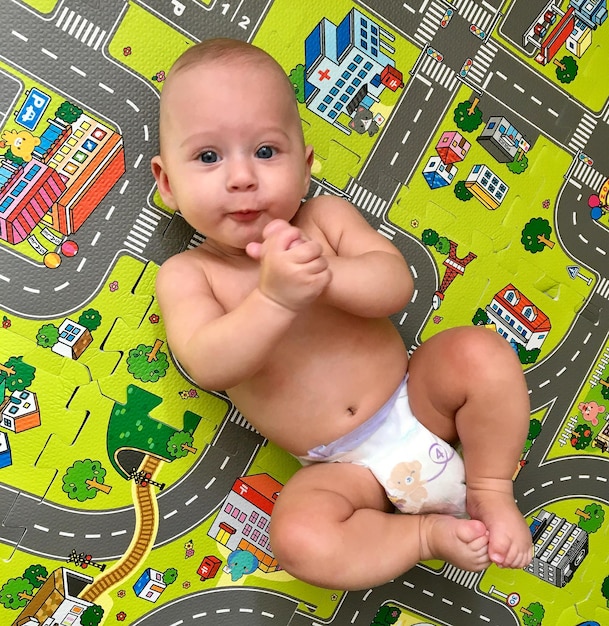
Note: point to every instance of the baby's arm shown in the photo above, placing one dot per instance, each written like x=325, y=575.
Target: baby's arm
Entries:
x=221, y=349
x=370, y=277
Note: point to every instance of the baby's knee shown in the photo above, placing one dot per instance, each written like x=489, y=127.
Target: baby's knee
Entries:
x=296, y=544
x=482, y=352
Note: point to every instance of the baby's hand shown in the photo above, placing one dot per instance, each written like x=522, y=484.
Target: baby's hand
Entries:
x=293, y=271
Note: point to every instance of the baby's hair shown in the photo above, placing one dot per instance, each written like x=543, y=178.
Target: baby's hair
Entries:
x=224, y=49
x=230, y=51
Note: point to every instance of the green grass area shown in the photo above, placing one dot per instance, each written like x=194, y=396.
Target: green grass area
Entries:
x=591, y=392
x=44, y=6
x=83, y=392
x=494, y=236
x=588, y=85
x=150, y=54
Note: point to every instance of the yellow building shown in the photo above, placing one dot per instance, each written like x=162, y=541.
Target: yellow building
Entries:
x=486, y=186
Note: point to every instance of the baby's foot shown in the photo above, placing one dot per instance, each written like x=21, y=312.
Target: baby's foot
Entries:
x=492, y=502
x=464, y=543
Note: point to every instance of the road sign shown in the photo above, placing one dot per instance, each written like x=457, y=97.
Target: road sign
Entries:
x=33, y=108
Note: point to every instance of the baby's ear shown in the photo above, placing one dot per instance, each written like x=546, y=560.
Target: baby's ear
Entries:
x=162, y=182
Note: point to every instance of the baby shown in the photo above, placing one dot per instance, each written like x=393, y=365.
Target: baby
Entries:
x=285, y=306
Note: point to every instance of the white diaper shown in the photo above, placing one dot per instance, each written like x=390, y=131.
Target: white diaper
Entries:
x=420, y=472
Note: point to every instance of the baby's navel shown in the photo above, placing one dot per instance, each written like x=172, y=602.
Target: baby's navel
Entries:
x=351, y=410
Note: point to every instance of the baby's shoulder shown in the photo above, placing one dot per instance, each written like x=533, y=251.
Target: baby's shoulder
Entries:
x=182, y=270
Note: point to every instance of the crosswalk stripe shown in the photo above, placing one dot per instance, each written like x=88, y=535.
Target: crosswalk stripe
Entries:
x=80, y=28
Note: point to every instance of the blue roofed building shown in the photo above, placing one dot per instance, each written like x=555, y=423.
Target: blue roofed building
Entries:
x=591, y=12
x=343, y=66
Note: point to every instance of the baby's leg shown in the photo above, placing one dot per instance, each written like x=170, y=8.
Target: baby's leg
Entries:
x=467, y=383
x=333, y=526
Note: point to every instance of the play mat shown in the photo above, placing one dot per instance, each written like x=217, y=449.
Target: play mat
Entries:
x=473, y=134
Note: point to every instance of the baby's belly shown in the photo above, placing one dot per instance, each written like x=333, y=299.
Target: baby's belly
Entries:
x=312, y=395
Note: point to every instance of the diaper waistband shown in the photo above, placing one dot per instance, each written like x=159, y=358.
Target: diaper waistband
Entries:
x=352, y=439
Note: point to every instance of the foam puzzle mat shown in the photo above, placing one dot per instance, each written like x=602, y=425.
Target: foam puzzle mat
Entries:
x=473, y=134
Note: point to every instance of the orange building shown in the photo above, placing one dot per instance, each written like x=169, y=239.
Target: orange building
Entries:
x=91, y=158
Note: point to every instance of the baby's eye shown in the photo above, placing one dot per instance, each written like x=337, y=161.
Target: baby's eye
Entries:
x=266, y=152
x=209, y=156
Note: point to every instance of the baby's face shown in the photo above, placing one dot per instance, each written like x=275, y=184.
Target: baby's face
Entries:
x=232, y=150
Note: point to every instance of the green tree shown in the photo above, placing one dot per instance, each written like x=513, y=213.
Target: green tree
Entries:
x=535, y=235
x=84, y=480
x=17, y=160
x=591, y=518
x=462, y=192
x=605, y=590
x=468, y=116
x=90, y=319
x=519, y=164
x=605, y=388
x=566, y=69
x=297, y=78
x=180, y=444
x=443, y=245
x=17, y=374
x=147, y=363
x=533, y=614
x=534, y=429
x=16, y=593
x=386, y=615
x=480, y=317
x=527, y=356
x=36, y=574
x=47, y=336
x=170, y=575
x=92, y=615
x=68, y=112
x=429, y=237
x=581, y=436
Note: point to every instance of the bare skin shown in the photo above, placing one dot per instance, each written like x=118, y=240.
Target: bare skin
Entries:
x=286, y=307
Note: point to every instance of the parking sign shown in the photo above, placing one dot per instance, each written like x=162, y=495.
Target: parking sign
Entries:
x=32, y=109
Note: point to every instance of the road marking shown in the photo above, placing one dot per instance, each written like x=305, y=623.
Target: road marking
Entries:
x=62, y=286
x=106, y=88
x=561, y=371
x=30, y=289
x=210, y=483
x=170, y=514
x=42, y=528
x=548, y=483
x=132, y=105
x=225, y=462
x=77, y=70
x=563, y=478
x=116, y=533
x=95, y=238
x=81, y=264
x=529, y=492
x=535, y=100
x=602, y=479
x=49, y=53
x=518, y=87
x=64, y=534
x=465, y=609
x=93, y=536
x=5, y=278
x=428, y=593
x=395, y=158
x=19, y=36
x=584, y=475
x=447, y=601
x=575, y=356
x=191, y=500
x=553, y=112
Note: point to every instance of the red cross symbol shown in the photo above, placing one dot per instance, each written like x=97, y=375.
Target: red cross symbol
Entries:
x=325, y=74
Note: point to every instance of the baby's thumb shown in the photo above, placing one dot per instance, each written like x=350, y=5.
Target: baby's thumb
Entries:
x=253, y=250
